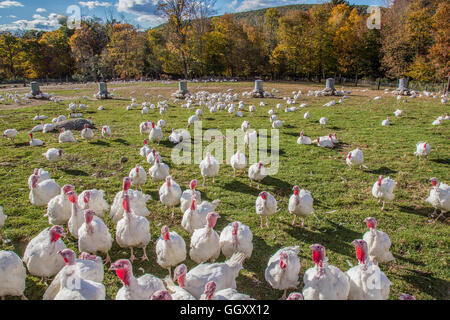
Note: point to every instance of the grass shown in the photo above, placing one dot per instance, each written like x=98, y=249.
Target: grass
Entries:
x=421, y=248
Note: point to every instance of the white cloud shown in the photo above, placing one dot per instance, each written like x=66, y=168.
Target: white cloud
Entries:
x=139, y=7
x=151, y=20
x=94, y=4
x=9, y=4
x=247, y=5
x=12, y=16
x=41, y=10
x=38, y=23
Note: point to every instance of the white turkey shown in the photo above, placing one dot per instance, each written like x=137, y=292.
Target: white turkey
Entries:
x=283, y=269
x=41, y=176
x=256, y=172
x=266, y=205
x=324, y=281
x=245, y=125
x=161, y=295
x=383, y=190
x=211, y=293
x=66, y=136
x=323, y=121
x=307, y=115
x=355, y=158
x=378, y=242
x=423, y=149
x=159, y=171
x=209, y=167
x=35, y=142
x=152, y=156
x=10, y=134
x=132, y=230
x=59, y=208
x=170, y=194
x=439, y=197
x=12, y=275
x=303, y=139
x=138, y=202
x=88, y=267
x=236, y=237
x=161, y=123
x=2, y=221
x=367, y=281
x=194, y=217
x=42, y=192
x=106, y=132
x=144, y=127
x=145, y=150
x=436, y=122
x=53, y=154
x=398, y=113
x=93, y=199
x=223, y=274
x=325, y=142
x=333, y=138
x=205, y=243
x=87, y=132
x=385, y=122
x=170, y=249
x=138, y=176
x=48, y=127
x=37, y=128
x=156, y=134
x=41, y=254
x=94, y=235
x=177, y=292
x=238, y=161
x=186, y=196
x=300, y=205
x=277, y=124
x=76, y=218
x=74, y=287
x=141, y=288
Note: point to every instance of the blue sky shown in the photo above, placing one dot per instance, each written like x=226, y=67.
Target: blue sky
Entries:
x=43, y=14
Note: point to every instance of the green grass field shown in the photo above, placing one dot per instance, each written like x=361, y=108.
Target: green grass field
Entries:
x=421, y=248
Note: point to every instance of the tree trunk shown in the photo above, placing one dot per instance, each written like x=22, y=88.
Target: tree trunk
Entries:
x=448, y=85
x=356, y=80
x=379, y=83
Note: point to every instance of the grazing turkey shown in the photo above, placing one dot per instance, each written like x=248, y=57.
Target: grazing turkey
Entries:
x=355, y=158
x=266, y=205
x=53, y=154
x=138, y=176
x=141, y=288
x=223, y=274
x=12, y=275
x=283, y=269
x=423, y=149
x=186, y=196
x=170, y=249
x=10, y=134
x=383, y=190
x=93, y=199
x=159, y=171
x=66, y=136
x=89, y=268
x=41, y=254
x=84, y=289
x=378, y=243
x=367, y=281
x=209, y=167
x=439, y=197
x=256, y=172
x=145, y=150
x=106, y=132
x=205, y=243
x=156, y=134
x=59, y=208
x=132, y=230
x=170, y=194
x=35, y=142
x=76, y=218
x=236, y=237
x=300, y=204
x=87, y=133
x=151, y=157
x=211, y=293
x=94, y=235
x=42, y=192
x=324, y=281
x=238, y=161
x=138, y=202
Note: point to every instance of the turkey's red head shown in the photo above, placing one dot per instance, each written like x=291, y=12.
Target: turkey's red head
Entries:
x=87, y=197
x=329, y=136
x=434, y=181
x=153, y=124
x=296, y=190
x=56, y=232
x=349, y=155
x=193, y=184
x=68, y=256
x=260, y=164
x=126, y=183
x=263, y=195
x=161, y=295
x=156, y=158
x=318, y=140
x=87, y=256
x=210, y=289
x=371, y=223
x=123, y=270
x=62, y=129
x=193, y=203
x=318, y=252
x=60, y=152
x=361, y=250
x=67, y=188
x=169, y=182
x=380, y=178
x=72, y=196
x=89, y=216
x=126, y=203
x=335, y=136
x=179, y=274
x=31, y=136
x=165, y=233
x=235, y=228
x=145, y=142
x=34, y=180
x=211, y=219
x=86, y=126
x=295, y=296
x=137, y=168
x=283, y=260
x=301, y=133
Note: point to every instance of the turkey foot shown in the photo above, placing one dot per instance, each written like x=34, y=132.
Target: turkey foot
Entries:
x=108, y=258
x=262, y=226
x=267, y=221
x=303, y=223
x=203, y=181
x=144, y=257
x=382, y=208
x=284, y=295
x=132, y=257
x=24, y=298
x=294, y=223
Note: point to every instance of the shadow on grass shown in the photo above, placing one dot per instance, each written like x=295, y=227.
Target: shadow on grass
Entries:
x=237, y=186
x=22, y=144
x=382, y=170
x=425, y=282
x=424, y=212
x=75, y=172
x=124, y=142
x=100, y=143
x=441, y=161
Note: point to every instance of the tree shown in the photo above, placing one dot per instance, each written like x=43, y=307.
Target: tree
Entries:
x=12, y=56
x=440, y=52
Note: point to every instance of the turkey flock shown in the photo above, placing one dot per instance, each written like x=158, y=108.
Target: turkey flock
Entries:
x=79, y=217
